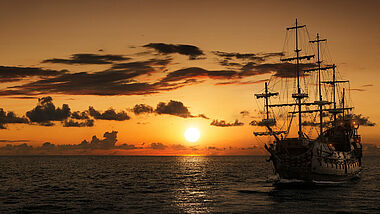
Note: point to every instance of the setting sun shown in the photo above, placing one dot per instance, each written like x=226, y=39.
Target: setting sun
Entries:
x=192, y=134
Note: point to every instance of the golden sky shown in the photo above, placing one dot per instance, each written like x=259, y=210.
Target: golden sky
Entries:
x=167, y=55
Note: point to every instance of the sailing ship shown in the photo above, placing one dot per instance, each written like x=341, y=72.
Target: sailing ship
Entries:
x=334, y=153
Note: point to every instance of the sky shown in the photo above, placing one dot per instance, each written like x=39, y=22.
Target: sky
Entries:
x=138, y=74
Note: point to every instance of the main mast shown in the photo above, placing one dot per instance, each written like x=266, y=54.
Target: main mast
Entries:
x=298, y=86
x=298, y=95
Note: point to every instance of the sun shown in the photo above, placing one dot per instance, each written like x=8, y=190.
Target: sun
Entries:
x=192, y=134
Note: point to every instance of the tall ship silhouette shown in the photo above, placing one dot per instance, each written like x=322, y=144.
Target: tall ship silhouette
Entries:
x=309, y=121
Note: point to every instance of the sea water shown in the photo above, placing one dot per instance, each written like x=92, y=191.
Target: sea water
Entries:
x=142, y=184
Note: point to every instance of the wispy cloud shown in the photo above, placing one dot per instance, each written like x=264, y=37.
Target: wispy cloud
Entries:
x=13, y=73
x=86, y=58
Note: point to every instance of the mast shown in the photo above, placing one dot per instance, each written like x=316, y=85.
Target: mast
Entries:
x=298, y=86
x=334, y=101
x=336, y=110
x=267, y=121
x=266, y=101
x=318, y=40
x=298, y=95
x=343, y=104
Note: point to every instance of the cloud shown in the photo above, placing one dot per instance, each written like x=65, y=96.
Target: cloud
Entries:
x=238, y=82
x=109, y=114
x=88, y=59
x=223, y=123
x=180, y=147
x=367, y=85
x=80, y=115
x=173, y=108
x=203, y=116
x=10, y=117
x=74, y=123
x=215, y=148
x=196, y=72
x=188, y=50
x=118, y=80
x=18, y=149
x=357, y=89
x=362, y=88
x=247, y=56
x=158, y=146
x=363, y=121
x=13, y=73
x=142, y=67
x=107, y=143
x=262, y=123
x=45, y=112
x=142, y=108
x=281, y=70
x=254, y=147
x=13, y=141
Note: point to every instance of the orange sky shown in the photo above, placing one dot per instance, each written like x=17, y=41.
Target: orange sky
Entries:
x=34, y=31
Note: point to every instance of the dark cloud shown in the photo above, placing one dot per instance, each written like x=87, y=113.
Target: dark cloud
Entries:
x=183, y=147
x=158, y=146
x=233, y=59
x=223, y=123
x=75, y=123
x=107, y=143
x=179, y=147
x=262, y=123
x=196, y=72
x=142, y=108
x=215, y=148
x=363, y=121
x=109, y=114
x=188, y=50
x=10, y=117
x=12, y=73
x=88, y=59
x=282, y=70
x=24, y=98
x=247, y=56
x=357, y=89
x=362, y=88
x=238, y=82
x=142, y=67
x=226, y=63
x=13, y=141
x=45, y=112
x=173, y=108
x=18, y=149
x=80, y=115
x=254, y=147
x=203, y=116
x=115, y=81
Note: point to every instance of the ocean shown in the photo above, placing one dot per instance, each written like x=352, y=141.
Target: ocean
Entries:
x=145, y=184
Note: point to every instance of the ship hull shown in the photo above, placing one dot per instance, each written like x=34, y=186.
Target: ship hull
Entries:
x=319, y=162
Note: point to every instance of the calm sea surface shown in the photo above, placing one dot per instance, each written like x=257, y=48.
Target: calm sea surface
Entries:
x=109, y=184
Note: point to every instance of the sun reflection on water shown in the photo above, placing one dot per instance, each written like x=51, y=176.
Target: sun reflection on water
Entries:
x=194, y=195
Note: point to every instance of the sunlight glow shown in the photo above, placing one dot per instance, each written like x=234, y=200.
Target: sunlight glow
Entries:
x=192, y=134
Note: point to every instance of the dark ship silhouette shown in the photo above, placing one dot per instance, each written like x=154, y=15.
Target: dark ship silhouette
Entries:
x=335, y=152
